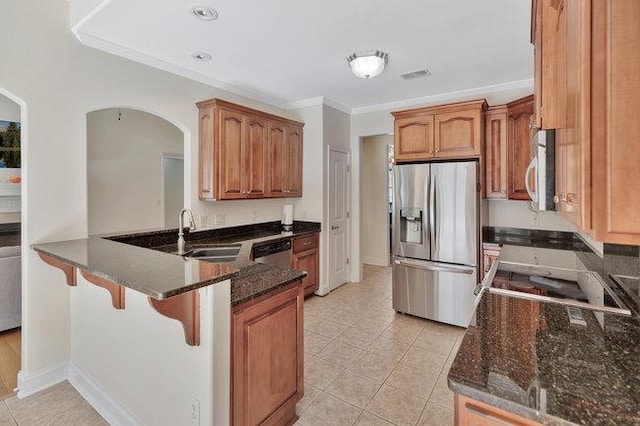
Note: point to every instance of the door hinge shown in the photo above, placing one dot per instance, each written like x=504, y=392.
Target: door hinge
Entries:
x=347, y=260
x=348, y=168
x=348, y=215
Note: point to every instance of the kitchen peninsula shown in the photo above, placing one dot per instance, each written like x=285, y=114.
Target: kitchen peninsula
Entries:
x=123, y=348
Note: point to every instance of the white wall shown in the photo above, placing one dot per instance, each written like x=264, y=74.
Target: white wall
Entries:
x=9, y=110
x=379, y=122
x=336, y=129
x=517, y=214
x=58, y=81
x=124, y=168
x=375, y=199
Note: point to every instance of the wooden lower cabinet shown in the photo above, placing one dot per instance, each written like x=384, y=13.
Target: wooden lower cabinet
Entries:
x=469, y=412
x=490, y=253
x=306, y=257
x=267, y=370
x=520, y=135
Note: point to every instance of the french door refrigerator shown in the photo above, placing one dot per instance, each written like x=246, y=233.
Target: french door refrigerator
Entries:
x=435, y=240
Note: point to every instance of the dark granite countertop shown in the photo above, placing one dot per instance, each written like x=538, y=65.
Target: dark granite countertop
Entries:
x=524, y=356
x=143, y=261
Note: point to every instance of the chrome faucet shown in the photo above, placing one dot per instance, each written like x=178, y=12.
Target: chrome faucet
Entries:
x=192, y=227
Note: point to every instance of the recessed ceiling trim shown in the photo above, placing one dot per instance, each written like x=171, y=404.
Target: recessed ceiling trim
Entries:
x=447, y=96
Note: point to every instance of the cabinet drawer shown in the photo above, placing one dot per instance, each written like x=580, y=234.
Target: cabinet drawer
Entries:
x=305, y=243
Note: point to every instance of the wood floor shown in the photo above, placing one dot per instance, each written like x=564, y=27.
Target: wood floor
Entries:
x=9, y=361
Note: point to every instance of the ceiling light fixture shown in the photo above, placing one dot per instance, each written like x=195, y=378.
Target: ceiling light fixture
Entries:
x=368, y=64
x=201, y=56
x=205, y=13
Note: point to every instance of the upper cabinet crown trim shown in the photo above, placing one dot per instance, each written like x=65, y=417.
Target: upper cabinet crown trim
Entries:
x=453, y=107
x=219, y=103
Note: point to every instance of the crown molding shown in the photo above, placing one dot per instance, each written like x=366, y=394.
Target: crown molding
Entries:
x=320, y=100
x=136, y=56
x=445, y=97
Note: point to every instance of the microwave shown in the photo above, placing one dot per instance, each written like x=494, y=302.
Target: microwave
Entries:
x=540, y=177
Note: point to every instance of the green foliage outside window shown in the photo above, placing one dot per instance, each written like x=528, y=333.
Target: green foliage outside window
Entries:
x=9, y=144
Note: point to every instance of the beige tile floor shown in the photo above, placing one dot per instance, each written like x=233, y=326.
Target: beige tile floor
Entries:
x=60, y=405
x=365, y=364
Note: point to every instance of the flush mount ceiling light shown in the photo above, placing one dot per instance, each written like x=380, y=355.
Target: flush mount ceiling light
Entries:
x=368, y=64
x=201, y=56
x=205, y=13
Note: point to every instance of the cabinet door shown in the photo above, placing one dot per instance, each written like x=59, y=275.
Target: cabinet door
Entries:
x=543, y=27
x=413, y=138
x=496, y=153
x=205, y=155
x=293, y=152
x=615, y=124
x=268, y=360
x=308, y=262
x=458, y=134
x=254, y=171
x=469, y=412
x=519, y=139
x=277, y=160
x=229, y=155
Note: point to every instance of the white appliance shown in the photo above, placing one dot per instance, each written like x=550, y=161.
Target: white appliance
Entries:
x=542, y=168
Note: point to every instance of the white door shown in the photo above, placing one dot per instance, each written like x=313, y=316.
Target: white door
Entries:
x=339, y=183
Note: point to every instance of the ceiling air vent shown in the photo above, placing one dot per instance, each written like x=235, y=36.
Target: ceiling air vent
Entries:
x=415, y=74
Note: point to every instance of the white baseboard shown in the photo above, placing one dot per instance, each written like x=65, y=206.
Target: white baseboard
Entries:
x=377, y=261
x=109, y=408
x=28, y=384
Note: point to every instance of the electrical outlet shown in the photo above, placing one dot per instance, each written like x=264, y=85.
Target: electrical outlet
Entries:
x=254, y=216
x=219, y=218
x=194, y=412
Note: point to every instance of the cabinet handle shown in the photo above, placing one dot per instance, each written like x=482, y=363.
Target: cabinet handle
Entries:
x=431, y=152
x=335, y=227
x=307, y=243
x=502, y=192
x=437, y=151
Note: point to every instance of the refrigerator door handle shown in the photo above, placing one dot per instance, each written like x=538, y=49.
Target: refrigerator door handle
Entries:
x=435, y=266
x=432, y=214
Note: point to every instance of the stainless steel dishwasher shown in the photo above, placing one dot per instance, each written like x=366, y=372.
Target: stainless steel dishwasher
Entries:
x=277, y=253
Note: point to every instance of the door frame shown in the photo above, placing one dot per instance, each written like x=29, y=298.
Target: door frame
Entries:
x=169, y=156
x=327, y=267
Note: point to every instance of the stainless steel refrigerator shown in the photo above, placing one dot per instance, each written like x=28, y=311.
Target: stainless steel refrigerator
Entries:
x=435, y=240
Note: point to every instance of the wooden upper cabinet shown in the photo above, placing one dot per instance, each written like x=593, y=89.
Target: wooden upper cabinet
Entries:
x=458, y=134
x=496, y=152
x=205, y=154
x=447, y=131
x=231, y=164
x=276, y=159
x=519, y=137
x=255, y=157
x=413, y=138
x=285, y=160
x=543, y=29
x=293, y=177
x=615, y=108
x=245, y=153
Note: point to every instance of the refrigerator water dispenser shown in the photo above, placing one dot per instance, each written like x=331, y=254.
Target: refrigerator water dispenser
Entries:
x=411, y=225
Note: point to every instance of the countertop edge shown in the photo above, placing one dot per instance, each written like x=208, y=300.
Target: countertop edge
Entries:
x=130, y=285
x=239, y=301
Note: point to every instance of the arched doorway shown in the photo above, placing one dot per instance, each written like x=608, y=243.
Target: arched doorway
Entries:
x=135, y=171
x=11, y=321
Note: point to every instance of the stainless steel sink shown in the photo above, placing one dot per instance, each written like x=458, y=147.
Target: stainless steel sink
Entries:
x=214, y=252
